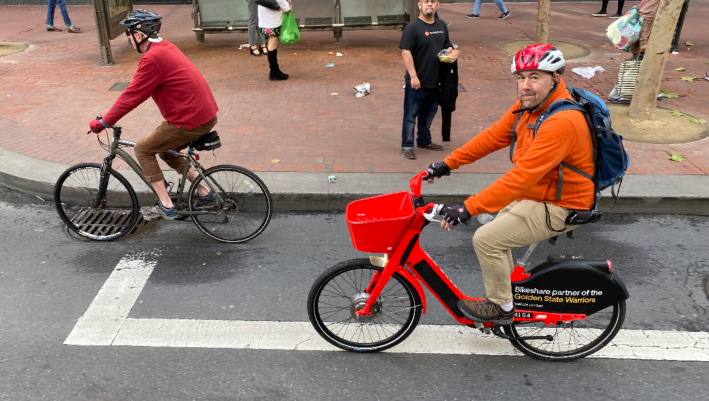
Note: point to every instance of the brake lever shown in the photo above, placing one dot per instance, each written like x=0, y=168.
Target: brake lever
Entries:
x=434, y=211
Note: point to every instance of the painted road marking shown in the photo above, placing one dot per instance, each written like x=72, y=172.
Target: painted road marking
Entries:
x=109, y=310
x=106, y=322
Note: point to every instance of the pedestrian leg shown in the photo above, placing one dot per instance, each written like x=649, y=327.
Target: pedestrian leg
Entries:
x=427, y=112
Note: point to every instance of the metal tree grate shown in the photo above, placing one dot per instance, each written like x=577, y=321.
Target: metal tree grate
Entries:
x=107, y=222
x=119, y=86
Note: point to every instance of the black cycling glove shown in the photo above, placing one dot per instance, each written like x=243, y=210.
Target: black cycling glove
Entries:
x=455, y=214
x=437, y=170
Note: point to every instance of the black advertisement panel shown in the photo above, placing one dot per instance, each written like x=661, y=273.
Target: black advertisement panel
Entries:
x=116, y=12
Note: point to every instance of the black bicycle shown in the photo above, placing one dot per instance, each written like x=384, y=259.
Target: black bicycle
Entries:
x=98, y=203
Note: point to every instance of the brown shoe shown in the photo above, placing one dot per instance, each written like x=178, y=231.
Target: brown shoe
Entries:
x=53, y=28
x=432, y=146
x=74, y=30
x=486, y=311
x=408, y=154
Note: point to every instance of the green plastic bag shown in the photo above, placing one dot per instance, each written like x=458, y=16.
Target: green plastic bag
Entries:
x=289, y=29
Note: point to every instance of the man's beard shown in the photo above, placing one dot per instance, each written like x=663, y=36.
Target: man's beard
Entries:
x=534, y=99
x=427, y=14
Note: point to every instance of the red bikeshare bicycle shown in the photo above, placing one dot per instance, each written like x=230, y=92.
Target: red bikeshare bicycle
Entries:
x=565, y=308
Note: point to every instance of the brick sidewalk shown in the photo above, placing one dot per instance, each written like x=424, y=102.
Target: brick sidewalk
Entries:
x=50, y=92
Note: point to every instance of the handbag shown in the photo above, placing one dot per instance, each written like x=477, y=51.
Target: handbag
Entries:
x=625, y=31
x=627, y=75
x=270, y=4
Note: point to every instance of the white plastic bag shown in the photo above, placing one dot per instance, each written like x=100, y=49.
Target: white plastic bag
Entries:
x=588, y=72
x=361, y=90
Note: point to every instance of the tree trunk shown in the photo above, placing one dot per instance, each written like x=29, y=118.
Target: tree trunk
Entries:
x=543, y=19
x=644, y=101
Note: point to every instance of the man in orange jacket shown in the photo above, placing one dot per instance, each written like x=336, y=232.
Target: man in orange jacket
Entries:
x=532, y=204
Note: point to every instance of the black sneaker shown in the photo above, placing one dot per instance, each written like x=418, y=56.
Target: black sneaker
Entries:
x=600, y=14
x=504, y=15
x=616, y=15
x=486, y=311
x=473, y=15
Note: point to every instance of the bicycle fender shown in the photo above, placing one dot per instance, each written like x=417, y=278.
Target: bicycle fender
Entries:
x=416, y=285
x=569, y=286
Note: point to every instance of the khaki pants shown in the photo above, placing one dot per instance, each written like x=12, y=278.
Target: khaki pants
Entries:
x=521, y=223
x=167, y=137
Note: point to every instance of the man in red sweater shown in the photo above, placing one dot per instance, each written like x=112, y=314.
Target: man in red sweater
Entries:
x=183, y=97
x=533, y=205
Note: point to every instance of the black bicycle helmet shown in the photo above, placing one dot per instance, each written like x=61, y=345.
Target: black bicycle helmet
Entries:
x=146, y=22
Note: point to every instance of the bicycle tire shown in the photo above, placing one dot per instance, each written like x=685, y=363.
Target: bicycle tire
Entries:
x=75, y=195
x=246, y=205
x=545, y=350
x=340, y=303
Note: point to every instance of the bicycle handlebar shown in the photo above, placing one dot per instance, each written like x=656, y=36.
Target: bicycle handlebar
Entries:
x=415, y=183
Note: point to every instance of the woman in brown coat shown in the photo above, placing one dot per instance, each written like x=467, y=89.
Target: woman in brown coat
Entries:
x=647, y=9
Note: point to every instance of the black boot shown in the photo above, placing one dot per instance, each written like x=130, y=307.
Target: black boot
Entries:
x=276, y=74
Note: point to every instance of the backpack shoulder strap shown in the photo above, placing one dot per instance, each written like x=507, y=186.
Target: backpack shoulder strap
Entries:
x=513, y=133
x=555, y=107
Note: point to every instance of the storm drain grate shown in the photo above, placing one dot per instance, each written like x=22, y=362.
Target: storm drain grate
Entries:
x=119, y=86
x=107, y=222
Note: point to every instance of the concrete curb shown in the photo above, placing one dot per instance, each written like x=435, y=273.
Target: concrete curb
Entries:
x=640, y=194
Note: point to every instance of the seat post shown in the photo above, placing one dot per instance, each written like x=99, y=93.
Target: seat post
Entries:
x=524, y=262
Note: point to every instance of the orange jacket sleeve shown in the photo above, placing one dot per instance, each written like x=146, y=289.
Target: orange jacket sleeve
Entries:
x=553, y=142
x=489, y=140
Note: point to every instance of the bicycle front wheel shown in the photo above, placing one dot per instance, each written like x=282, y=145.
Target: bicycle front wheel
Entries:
x=340, y=292
x=102, y=217
x=240, y=212
x=571, y=340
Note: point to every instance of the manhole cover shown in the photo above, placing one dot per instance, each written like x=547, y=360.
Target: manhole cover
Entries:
x=707, y=287
x=110, y=221
x=461, y=88
x=570, y=50
x=7, y=48
x=119, y=86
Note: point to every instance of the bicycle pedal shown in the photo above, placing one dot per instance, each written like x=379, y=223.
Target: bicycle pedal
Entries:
x=148, y=216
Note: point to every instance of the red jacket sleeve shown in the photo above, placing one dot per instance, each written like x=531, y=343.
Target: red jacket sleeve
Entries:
x=144, y=83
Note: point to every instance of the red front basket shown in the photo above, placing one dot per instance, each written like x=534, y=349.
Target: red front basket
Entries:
x=377, y=224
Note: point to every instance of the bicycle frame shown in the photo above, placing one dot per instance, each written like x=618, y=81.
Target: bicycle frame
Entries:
x=191, y=157
x=411, y=261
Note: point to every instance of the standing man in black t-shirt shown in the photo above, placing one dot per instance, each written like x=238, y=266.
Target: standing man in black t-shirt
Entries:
x=420, y=43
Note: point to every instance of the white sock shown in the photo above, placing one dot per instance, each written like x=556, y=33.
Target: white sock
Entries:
x=507, y=306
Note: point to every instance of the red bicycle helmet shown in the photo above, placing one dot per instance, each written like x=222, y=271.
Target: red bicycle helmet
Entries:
x=540, y=57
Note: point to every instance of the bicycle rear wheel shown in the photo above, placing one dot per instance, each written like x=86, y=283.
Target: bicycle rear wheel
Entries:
x=101, y=218
x=243, y=210
x=340, y=291
x=577, y=339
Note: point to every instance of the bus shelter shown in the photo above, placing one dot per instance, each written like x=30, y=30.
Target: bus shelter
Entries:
x=224, y=16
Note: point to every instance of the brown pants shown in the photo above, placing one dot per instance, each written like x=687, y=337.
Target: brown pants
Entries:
x=520, y=223
x=167, y=137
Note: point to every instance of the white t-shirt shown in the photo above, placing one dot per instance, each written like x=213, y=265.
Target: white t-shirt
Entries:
x=268, y=18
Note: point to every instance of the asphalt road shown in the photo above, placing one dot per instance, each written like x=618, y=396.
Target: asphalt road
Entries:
x=48, y=280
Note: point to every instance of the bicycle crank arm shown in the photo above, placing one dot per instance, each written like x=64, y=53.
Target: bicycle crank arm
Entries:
x=496, y=331
x=188, y=213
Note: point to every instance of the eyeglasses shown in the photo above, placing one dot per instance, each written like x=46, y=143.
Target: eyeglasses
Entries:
x=428, y=1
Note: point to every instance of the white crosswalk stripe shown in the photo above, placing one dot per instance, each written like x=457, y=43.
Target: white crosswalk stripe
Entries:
x=106, y=323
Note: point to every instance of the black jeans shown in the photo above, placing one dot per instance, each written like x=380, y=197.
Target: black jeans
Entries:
x=620, y=6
